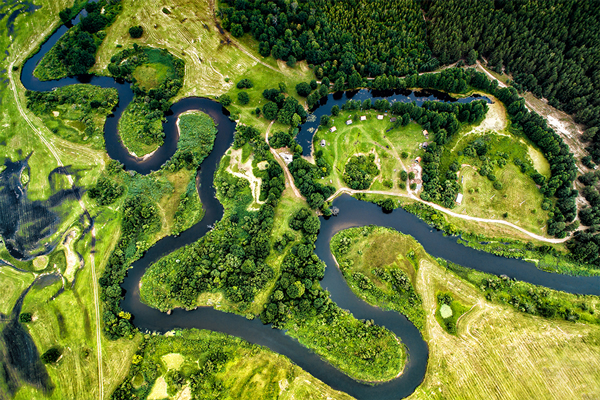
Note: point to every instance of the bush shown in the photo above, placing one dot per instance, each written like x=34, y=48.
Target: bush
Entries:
x=136, y=32
x=413, y=186
x=243, y=98
x=25, y=317
x=303, y=89
x=244, y=84
x=403, y=175
x=404, y=154
x=225, y=100
x=497, y=185
x=51, y=356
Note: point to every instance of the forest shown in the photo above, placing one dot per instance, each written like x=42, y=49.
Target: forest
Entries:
x=551, y=48
x=370, y=37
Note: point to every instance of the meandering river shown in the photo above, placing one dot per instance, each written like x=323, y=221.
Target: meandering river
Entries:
x=352, y=213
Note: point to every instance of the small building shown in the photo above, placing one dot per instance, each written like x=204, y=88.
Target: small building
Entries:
x=363, y=118
x=459, y=198
x=332, y=129
x=425, y=133
x=393, y=119
x=323, y=143
x=418, y=159
x=349, y=122
x=424, y=145
x=380, y=116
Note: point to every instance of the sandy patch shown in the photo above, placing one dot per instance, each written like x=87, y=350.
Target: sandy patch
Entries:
x=159, y=390
x=244, y=171
x=559, y=126
x=55, y=113
x=173, y=360
x=210, y=299
x=185, y=394
x=70, y=255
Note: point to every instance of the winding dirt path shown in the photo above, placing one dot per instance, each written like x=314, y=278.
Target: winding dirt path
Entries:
x=451, y=213
x=288, y=176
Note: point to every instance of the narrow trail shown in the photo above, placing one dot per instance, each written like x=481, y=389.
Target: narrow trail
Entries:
x=288, y=175
x=446, y=211
x=54, y=152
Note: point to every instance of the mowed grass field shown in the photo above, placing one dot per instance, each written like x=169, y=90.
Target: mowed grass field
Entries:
x=369, y=136
x=250, y=372
x=498, y=353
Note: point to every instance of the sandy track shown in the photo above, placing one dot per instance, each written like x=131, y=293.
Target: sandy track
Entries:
x=451, y=213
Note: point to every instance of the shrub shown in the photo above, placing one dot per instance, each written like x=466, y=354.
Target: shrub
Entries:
x=404, y=154
x=136, y=32
x=413, y=186
x=245, y=84
x=243, y=98
x=225, y=100
x=497, y=185
x=303, y=89
x=403, y=175
x=25, y=317
x=51, y=355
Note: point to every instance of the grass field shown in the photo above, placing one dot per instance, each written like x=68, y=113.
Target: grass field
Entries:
x=497, y=353
x=370, y=136
x=189, y=32
x=370, y=257
x=519, y=199
x=246, y=372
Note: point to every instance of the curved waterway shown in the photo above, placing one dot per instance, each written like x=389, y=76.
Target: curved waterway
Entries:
x=352, y=213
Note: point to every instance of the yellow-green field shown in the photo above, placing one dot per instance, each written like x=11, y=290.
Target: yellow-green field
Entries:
x=363, y=137
x=497, y=353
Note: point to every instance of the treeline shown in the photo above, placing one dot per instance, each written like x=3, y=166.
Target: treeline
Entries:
x=297, y=289
x=528, y=298
x=534, y=127
x=551, y=48
x=231, y=257
x=139, y=215
x=75, y=52
x=585, y=245
x=369, y=37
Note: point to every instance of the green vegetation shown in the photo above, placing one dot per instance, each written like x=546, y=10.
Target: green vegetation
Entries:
x=346, y=40
x=136, y=32
x=449, y=311
x=497, y=176
x=211, y=365
x=380, y=266
x=76, y=113
x=25, y=317
x=360, y=171
x=298, y=304
x=75, y=52
x=385, y=139
x=196, y=138
x=532, y=299
x=230, y=258
x=141, y=224
x=157, y=76
x=51, y=355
